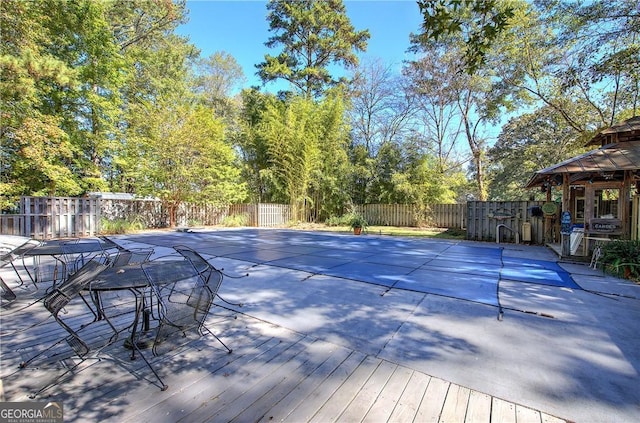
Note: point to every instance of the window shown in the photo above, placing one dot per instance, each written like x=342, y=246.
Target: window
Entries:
x=606, y=203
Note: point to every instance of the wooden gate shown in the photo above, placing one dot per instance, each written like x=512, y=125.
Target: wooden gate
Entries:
x=485, y=217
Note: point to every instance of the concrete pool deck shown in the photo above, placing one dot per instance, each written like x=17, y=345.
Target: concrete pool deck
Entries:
x=505, y=320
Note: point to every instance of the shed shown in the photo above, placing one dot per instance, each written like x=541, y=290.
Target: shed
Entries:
x=597, y=189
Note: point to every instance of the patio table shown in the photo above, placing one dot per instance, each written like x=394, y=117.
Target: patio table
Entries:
x=132, y=278
x=56, y=249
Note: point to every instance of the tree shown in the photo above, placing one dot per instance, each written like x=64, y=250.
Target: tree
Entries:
x=216, y=78
x=68, y=72
x=157, y=64
x=306, y=152
x=30, y=129
x=479, y=23
x=578, y=59
x=252, y=145
x=186, y=158
x=314, y=34
x=379, y=107
x=453, y=96
x=436, y=116
x=527, y=144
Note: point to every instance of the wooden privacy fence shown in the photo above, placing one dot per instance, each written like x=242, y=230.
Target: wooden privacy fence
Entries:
x=262, y=214
x=46, y=217
x=433, y=215
x=60, y=217
x=53, y=217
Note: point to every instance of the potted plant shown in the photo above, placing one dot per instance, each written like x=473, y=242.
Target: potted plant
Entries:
x=357, y=222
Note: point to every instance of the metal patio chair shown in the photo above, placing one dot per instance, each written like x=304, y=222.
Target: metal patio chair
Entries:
x=203, y=267
x=9, y=253
x=58, y=299
x=78, y=252
x=183, y=303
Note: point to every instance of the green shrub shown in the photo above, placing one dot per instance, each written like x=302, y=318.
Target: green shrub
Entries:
x=622, y=258
x=194, y=222
x=352, y=219
x=121, y=226
x=236, y=220
x=338, y=220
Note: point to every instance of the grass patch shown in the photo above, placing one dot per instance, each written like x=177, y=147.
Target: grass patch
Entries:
x=388, y=230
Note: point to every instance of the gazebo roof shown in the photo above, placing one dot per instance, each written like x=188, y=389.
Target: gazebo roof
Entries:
x=606, y=163
x=629, y=130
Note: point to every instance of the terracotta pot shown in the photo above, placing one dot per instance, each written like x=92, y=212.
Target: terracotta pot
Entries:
x=357, y=231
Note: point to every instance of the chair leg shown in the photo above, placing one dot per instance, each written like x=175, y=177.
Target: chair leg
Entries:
x=24, y=364
x=54, y=383
x=7, y=293
x=219, y=340
x=163, y=386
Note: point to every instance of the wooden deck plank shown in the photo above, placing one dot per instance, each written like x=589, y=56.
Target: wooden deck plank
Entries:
x=371, y=390
x=117, y=380
x=546, y=418
x=479, y=408
x=502, y=411
x=408, y=404
x=238, y=383
x=196, y=382
x=433, y=401
x=455, y=404
x=310, y=394
x=263, y=387
x=527, y=415
x=390, y=396
x=125, y=394
x=317, y=354
x=343, y=396
x=293, y=399
x=322, y=394
x=193, y=386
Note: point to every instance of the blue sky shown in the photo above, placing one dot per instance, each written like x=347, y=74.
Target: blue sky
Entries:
x=240, y=28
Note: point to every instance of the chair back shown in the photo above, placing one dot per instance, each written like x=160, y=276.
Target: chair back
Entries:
x=132, y=256
x=199, y=262
x=183, y=303
x=64, y=292
x=78, y=252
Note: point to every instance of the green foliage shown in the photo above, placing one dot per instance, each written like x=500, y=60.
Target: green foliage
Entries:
x=304, y=143
x=121, y=226
x=527, y=144
x=342, y=220
x=620, y=256
x=314, y=35
x=236, y=220
x=357, y=220
x=352, y=219
x=480, y=22
x=187, y=159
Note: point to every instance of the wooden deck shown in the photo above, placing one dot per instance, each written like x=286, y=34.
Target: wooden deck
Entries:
x=273, y=374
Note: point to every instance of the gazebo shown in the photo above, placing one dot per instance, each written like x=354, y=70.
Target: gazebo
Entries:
x=599, y=189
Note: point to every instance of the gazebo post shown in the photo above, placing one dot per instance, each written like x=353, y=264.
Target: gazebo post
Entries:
x=624, y=202
x=566, y=206
x=548, y=219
